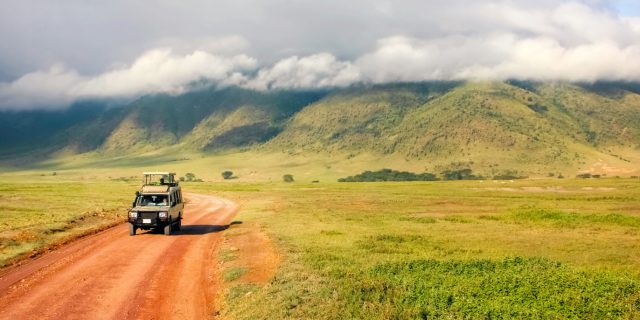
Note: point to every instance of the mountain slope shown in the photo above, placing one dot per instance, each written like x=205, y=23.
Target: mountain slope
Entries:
x=489, y=126
x=552, y=126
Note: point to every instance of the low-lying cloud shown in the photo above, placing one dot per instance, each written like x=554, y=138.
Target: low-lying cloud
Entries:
x=496, y=40
x=154, y=71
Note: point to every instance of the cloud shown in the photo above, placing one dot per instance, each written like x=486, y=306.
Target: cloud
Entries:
x=161, y=71
x=118, y=49
x=154, y=71
x=498, y=57
x=315, y=71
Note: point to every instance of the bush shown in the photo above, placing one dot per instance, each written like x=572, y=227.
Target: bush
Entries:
x=181, y=179
x=287, y=178
x=584, y=175
x=190, y=176
x=510, y=175
x=462, y=174
x=389, y=175
x=226, y=175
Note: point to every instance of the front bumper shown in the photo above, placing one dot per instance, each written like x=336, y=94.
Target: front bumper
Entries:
x=148, y=220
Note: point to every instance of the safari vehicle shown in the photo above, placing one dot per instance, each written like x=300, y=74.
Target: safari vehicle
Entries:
x=158, y=204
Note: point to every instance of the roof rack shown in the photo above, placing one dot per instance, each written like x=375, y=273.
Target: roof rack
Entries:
x=166, y=179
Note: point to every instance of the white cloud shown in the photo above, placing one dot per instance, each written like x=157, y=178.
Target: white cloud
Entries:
x=318, y=70
x=155, y=71
x=498, y=57
x=161, y=71
x=49, y=88
x=282, y=44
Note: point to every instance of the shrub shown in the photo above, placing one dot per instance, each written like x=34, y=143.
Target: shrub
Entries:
x=462, y=174
x=190, y=176
x=389, y=175
x=538, y=108
x=584, y=175
x=181, y=179
x=227, y=175
x=510, y=175
x=287, y=178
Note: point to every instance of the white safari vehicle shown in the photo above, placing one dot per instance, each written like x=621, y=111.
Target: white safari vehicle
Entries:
x=158, y=204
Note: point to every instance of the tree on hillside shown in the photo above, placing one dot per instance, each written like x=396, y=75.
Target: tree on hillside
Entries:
x=227, y=174
x=190, y=176
x=287, y=178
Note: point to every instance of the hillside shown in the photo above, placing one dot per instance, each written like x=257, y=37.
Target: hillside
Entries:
x=535, y=128
x=482, y=125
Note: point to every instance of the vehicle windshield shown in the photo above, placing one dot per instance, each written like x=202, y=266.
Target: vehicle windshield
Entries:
x=153, y=200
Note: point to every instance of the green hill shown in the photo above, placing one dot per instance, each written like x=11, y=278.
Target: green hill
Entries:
x=490, y=127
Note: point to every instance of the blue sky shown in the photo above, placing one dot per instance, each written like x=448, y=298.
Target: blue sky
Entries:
x=628, y=7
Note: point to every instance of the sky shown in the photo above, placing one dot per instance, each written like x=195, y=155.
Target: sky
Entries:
x=53, y=53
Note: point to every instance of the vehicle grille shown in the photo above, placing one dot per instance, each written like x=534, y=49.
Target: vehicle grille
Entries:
x=148, y=215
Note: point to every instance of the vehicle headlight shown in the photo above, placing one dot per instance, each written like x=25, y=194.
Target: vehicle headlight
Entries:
x=162, y=214
x=133, y=214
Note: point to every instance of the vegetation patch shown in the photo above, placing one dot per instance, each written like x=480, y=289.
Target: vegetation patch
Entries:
x=389, y=175
x=509, y=288
x=419, y=219
x=457, y=219
x=227, y=254
x=461, y=174
x=393, y=243
x=571, y=219
x=234, y=273
x=331, y=232
x=509, y=175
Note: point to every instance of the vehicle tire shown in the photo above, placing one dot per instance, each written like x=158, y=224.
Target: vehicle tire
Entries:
x=179, y=223
x=167, y=229
x=132, y=230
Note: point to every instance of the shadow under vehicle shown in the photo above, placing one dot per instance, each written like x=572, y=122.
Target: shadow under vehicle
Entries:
x=158, y=204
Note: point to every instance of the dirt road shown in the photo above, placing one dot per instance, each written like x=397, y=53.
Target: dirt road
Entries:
x=112, y=275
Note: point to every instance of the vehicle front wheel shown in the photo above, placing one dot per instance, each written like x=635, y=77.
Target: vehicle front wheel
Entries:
x=132, y=230
x=167, y=229
x=179, y=224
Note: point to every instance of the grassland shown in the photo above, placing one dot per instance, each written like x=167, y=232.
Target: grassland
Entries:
x=481, y=249
x=555, y=248
x=38, y=214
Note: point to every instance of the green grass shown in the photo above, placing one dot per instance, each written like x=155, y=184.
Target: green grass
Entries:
x=464, y=249
x=473, y=249
x=479, y=288
x=233, y=273
x=36, y=214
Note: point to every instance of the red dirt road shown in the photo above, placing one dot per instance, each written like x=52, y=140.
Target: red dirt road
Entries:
x=112, y=275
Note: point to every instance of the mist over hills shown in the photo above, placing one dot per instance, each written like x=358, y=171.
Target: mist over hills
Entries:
x=526, y=126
